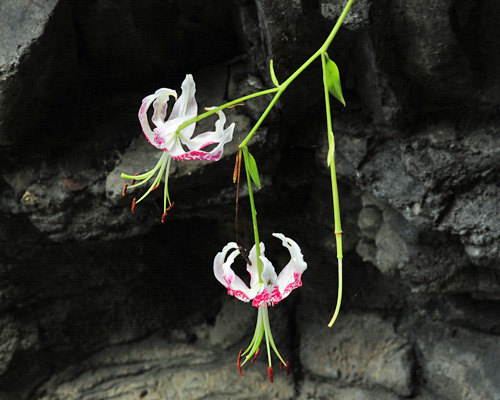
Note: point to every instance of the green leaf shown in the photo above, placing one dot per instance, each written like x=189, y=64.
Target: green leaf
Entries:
x=333, y=80
x=252, y=167
x=273, y=75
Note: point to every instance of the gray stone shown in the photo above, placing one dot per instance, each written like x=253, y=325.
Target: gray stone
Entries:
x=458, y=363
x=159, y=370
x=430, y=47
x=22, y=22
x=358, y=15
x=362, y=350
x=312, y=389
x=369, y=221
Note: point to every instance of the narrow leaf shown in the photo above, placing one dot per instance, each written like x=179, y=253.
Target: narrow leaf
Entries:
x=333, y=80
x=273, y=75
x=252, y=168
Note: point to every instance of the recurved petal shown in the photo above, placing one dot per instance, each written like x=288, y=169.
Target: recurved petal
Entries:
x=290, y=276
x=201, y=140
x=186, y=104
x=253, y=269
x=160, y=105
x=219, y=260
x=215, y=154
x=143, y=118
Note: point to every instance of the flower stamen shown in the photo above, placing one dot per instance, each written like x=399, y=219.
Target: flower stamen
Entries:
x=238, y=363
x=255, y=356
x=270, y=373
x=124, y=190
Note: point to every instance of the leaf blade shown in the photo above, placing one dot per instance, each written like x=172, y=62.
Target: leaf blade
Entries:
x=251, y=165
x=333, y=80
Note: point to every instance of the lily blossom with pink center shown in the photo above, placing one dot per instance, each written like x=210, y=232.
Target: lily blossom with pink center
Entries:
x=266, y=289
x=174, y=137
x=270, y=288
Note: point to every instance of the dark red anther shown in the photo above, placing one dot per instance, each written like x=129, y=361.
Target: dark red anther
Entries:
x=255, y=355
x=281, y=364
x=133, y=180
x=124, y=190
x=270, y=373
x=170, y=206
x=163, y=217
x=133, y=206
x=287, y=368
x=238, y=362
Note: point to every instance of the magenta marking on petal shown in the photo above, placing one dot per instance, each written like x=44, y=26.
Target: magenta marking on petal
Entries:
x=206, y=144
x=262, y=298
x=198, y=155
x=293, y=285
x=276, y=296
x=228, y=279
x=159, y=140
x=238, y=294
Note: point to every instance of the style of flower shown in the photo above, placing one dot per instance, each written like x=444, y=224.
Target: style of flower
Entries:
x=175, y=136
x=266, y=289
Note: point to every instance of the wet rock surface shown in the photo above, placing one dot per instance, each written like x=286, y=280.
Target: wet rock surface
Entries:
x=100, y=303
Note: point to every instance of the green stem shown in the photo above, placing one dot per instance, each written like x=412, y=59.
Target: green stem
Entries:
x=231, y=103
x=335, y=29
x=281, y=88
x=335, y=192
x=254, y=214
x=339, y=295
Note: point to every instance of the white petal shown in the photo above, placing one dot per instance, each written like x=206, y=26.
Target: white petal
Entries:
x=161, y=104
x=235, y=285
x=165, y=136
x=253, y=269
x=219, y=261
x=290, y=276
x=143, y=118
x=186, y=104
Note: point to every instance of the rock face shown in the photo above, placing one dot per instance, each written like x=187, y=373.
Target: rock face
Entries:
x=100, y=303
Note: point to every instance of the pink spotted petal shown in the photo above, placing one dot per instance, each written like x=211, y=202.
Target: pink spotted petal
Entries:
x=213, y=155
x=269, y=279
x=198, y=155
x=166, y=139
x=290, y=276
x=225, y=275
x=219, y=260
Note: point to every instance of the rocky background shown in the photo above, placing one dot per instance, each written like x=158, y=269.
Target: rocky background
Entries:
x=97, y=303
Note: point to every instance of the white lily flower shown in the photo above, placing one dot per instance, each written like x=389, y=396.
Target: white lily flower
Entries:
x=271, y=288
x=181, y=145
x=265, y=290
x=176, y=143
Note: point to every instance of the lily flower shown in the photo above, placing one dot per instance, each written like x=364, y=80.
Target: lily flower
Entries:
x=174, y=137
x=266, y=289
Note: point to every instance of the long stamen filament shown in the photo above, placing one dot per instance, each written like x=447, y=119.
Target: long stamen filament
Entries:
x=166, y=195
x=146, y=174
x=157, y=180
x=256, y=340
x=269, y=336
